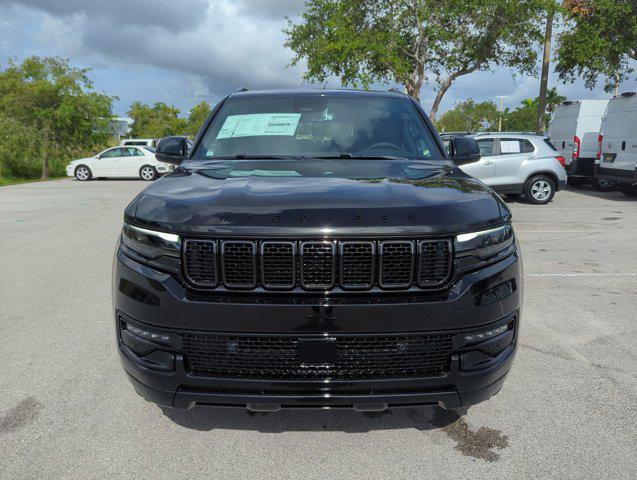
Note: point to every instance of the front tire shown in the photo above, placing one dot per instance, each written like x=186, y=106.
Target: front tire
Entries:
x=539, y=190
x=629, y=190
x=603, y=185
x=83, y=173
x=147, y=173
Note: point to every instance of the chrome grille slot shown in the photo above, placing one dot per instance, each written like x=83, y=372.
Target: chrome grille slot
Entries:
x=200, y=257
x=278, y=265
x=396, y=263
x=434, y=264
x=357, y=264
x=318, y=265
x=238, y=264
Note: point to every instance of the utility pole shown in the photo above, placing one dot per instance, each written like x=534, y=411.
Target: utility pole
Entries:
x=544, y=80
x=501, y=97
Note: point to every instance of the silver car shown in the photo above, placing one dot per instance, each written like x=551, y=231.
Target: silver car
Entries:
x=519, y=164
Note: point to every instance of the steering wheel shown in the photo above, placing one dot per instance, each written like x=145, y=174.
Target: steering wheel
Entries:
x=383, y=145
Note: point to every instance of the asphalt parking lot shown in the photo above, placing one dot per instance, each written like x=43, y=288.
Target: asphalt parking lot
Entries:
x=568, y=409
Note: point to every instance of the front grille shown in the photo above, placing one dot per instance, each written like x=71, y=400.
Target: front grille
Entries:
x=265, y=357
x=318, y=265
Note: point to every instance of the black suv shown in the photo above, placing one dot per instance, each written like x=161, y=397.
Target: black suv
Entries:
x=317, y=248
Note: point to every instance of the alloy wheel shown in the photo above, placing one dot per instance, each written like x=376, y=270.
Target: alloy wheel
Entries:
x=82, y=173
x=541, y=190
x=148, y=173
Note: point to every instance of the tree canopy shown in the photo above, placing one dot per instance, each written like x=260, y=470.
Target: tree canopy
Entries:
x=161, y=120
x=48, y=113
x=196, y=118
x=156, y=121
x=412, y=43
x=600, y=40
x=469, y=116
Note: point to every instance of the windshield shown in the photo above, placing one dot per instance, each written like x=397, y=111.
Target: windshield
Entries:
x=318, y=125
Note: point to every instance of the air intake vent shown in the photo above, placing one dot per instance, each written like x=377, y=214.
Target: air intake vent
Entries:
x=317, y=265
x=278, y=265
x=434, y=264
x=265, y=357
x=238, y=264
x=396, y=264
x=201, y=258
x=357, y=264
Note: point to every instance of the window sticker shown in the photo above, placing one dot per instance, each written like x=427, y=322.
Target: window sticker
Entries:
x=509, y=146
x=259, y=125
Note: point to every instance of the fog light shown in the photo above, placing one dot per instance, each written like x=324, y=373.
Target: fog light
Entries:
x=477, y=337
x=162, y=338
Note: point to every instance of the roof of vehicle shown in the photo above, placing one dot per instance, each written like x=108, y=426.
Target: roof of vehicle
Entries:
x=314, y=91
x=508, y=134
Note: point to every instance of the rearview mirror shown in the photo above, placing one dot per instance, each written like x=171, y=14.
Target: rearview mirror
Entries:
x=173, y=150
x=464, y=150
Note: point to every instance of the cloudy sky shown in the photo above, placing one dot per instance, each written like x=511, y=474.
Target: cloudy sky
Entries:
x=182, y=52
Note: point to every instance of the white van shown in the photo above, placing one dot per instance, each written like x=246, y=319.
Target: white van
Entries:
x=138, y=142
x=618, y=143
x=574, y=130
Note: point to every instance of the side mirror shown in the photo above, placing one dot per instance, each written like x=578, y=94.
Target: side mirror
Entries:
x=173, y=150
x=464, y=150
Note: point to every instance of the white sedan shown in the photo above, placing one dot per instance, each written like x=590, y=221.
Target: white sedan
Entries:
x=122, y=162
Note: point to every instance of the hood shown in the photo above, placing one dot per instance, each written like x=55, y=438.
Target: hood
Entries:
x=443, y=200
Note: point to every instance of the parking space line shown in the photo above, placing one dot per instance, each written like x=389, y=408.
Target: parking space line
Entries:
x=581, y=274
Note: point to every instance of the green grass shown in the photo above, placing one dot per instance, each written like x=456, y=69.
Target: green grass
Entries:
x=14, y=181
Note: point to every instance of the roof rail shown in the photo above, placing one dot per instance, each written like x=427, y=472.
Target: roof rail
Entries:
x=628, y=94
x=243, y=89
x=395, y=90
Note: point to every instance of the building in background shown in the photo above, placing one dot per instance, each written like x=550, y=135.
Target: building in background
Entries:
x=121, y=127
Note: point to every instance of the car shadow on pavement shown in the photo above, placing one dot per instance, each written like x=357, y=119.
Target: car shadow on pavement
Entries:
x=348, y=421
x=589, y=190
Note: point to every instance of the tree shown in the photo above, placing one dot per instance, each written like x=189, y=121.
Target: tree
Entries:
x=157, y=121
x=600, y=41
x=412, y=42
x=469, y=116
x=551, y=8
x=196, y=118
x=524, y=118
x=49, y=113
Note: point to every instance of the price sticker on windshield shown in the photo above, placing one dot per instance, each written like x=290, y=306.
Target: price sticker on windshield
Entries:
x=259, y=125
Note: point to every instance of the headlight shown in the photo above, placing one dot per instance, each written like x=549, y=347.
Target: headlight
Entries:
x=157, y=249
x=484, y=244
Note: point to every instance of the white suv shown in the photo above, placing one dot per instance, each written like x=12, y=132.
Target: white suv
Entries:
x=519, y=164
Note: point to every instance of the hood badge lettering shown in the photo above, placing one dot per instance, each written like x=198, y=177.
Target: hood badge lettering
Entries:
x=227, y=218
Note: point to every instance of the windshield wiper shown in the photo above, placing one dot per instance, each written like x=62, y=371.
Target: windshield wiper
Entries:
x=356, y=156
x=244, y=156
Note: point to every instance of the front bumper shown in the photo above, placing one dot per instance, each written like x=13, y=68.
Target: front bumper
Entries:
x=157, y=300
x=618, y=175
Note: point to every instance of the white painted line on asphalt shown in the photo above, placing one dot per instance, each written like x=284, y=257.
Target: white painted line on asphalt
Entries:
x=582, y=274
x=581, y=230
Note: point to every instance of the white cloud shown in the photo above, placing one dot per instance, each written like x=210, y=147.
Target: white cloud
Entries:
x=181, y=52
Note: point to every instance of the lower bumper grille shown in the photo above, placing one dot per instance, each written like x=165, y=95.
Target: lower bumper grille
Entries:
x=265, y=357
